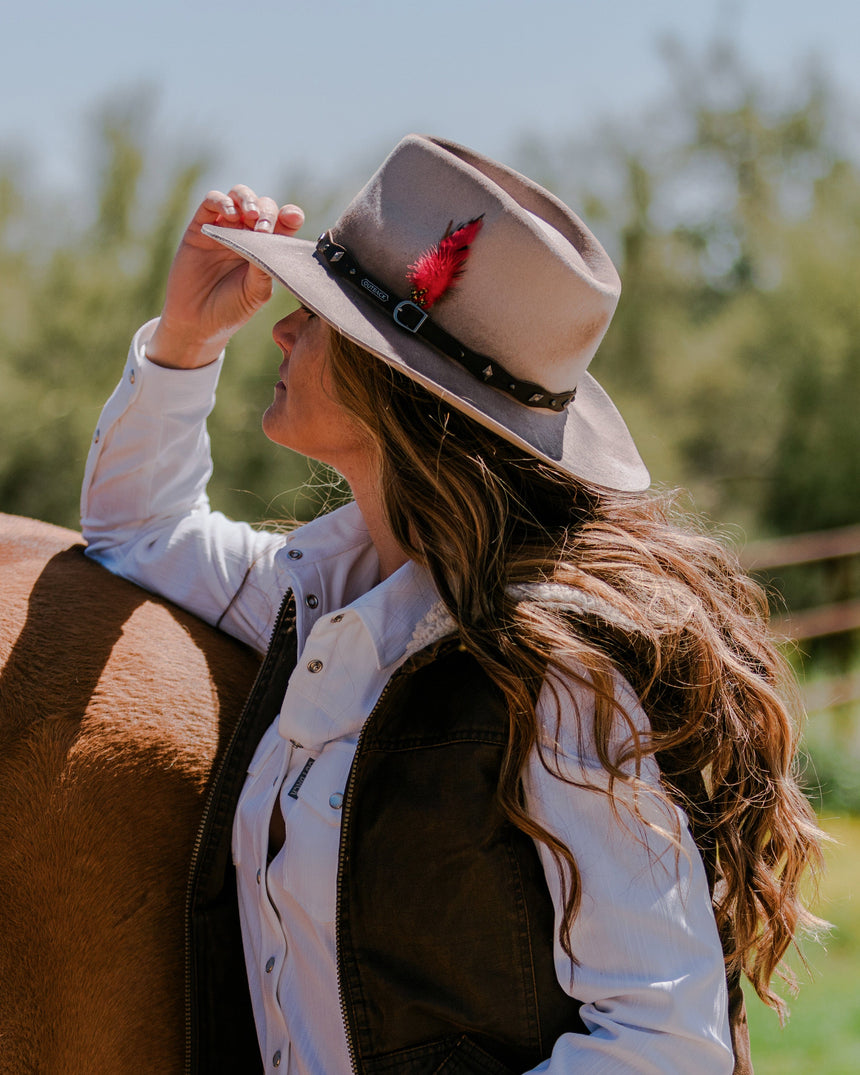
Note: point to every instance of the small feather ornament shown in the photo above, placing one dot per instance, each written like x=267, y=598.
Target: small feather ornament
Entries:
x=438, y=268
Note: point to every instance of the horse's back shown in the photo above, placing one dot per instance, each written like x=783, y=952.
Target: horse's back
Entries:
x=113, y=706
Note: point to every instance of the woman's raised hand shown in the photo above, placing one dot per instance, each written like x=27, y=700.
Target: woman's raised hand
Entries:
x=212, y=291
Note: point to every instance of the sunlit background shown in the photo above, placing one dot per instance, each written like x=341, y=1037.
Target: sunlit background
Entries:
x=713, y=146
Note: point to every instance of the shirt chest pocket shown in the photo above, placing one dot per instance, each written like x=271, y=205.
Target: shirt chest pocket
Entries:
x=307, y=866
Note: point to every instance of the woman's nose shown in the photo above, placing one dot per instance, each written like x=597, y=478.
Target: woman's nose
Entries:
x=284, y=331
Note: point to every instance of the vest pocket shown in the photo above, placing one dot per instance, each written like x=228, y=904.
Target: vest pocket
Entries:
x=470, y=1059
x=448, y=1056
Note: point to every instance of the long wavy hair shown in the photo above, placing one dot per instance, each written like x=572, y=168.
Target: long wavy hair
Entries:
x=662, y=603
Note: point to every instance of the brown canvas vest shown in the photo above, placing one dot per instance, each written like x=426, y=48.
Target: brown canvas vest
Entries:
x=444, y=922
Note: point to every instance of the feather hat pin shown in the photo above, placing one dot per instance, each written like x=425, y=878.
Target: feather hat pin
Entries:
x=437, y=269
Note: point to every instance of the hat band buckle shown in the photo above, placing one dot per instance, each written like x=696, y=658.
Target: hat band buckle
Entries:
x=413, y=309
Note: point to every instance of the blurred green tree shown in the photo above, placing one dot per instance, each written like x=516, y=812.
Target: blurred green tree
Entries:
x=732, y=213
x=733, y=216
x=70, y=302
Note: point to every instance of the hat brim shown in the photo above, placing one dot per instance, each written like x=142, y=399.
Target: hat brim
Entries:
x=588, y=440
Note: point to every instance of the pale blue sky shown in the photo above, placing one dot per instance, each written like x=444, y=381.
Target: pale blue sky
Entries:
x=269, y=87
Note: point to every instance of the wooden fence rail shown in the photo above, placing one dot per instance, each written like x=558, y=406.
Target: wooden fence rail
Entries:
x=840, y=616
x=801, y=549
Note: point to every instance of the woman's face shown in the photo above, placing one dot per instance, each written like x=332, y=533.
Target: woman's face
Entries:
x=304, y=415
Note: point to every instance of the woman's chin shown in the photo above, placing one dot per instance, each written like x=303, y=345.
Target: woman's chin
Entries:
x=272, y=422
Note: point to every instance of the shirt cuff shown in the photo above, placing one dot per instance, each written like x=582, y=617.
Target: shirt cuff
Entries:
x=163, y=390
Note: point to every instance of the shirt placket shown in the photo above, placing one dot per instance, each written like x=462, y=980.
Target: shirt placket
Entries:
x=274, y=948
x=303, y=578
x=306, y=585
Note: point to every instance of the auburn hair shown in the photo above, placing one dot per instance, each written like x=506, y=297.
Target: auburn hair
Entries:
x=658, y=600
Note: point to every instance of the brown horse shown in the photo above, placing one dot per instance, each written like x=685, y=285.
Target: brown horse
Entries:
x=113, y=707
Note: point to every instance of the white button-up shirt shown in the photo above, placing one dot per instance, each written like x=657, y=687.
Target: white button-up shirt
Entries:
x=287, y=907
x=650, y=974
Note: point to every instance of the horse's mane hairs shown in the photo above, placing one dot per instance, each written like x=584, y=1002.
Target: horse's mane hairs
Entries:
x=676, y=616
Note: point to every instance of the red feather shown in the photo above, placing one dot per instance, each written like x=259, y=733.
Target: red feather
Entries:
x=438, y=268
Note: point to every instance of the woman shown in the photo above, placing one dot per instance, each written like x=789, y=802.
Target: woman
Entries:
x=513, y=725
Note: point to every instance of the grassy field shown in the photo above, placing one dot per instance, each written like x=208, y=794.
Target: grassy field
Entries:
x=823, y=1034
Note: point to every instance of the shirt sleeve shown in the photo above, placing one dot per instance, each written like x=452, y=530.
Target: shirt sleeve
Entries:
x=144, y=509
x=650, y=971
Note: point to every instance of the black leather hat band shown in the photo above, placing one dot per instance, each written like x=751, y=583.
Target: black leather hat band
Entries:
x=411, y=318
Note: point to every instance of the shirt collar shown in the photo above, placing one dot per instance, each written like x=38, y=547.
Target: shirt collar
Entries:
x=401, y=614
x=393, y=612
x=334, y=534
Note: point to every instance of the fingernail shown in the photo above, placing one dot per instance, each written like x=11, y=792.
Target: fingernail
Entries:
x=263, y=225
x=229, y=210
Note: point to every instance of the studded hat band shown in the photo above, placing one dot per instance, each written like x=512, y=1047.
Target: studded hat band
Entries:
x=410, y=317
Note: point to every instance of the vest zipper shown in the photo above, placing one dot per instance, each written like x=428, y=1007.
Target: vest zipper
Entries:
x=202, y=832
x=341, y=870
x=407, y=666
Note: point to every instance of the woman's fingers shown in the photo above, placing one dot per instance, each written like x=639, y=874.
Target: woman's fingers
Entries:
x=214, y=205
x=290, y=219
x=267, y=214
x=212, y=290
x=247, y=204
x=244, y=207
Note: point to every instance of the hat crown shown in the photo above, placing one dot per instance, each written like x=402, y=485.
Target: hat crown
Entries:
x=538, y=290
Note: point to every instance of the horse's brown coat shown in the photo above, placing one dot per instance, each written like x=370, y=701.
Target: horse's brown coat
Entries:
x=113, y=707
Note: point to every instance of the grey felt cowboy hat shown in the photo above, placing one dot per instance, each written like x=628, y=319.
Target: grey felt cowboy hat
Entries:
x=478, y=284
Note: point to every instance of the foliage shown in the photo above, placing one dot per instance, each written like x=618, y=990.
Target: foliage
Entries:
x=733, y=216
x=831, y=760
x=823, y=1033
x=70, y=303
x=735, y=219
